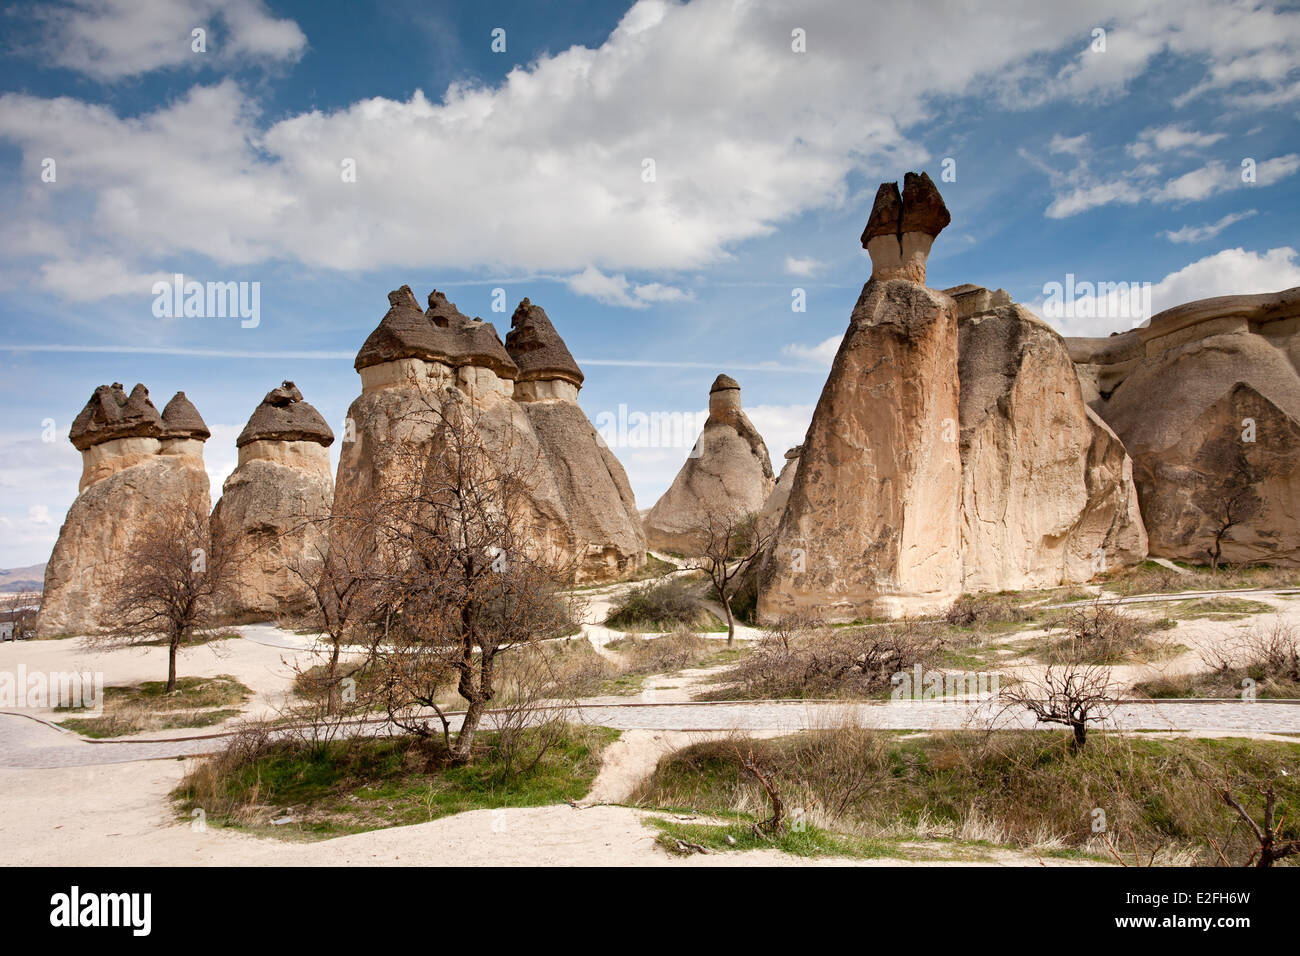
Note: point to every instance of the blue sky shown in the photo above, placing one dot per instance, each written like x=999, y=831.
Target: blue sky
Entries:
x=523, y=170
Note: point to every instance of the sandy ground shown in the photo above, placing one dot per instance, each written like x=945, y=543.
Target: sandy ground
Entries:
x=121, y=813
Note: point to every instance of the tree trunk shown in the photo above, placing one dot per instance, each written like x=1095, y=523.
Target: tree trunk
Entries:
x=1080, y=735
x=464, y=746
x=171, y=664
x=731, y=620
x=334, y=700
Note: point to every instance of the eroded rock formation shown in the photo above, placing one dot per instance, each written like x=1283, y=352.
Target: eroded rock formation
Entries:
x=135, y=464
x=1048, y=496
x=410, y=361
x=872, y=525
x=271, y=503
x=728, y=473
x=598, y=504
x=1206, y=398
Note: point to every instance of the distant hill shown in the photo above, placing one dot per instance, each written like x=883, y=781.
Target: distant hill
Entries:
x=30, y=578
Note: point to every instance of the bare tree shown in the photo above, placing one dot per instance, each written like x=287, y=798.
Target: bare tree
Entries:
x=1232, y=498
x=1073, y=693
x=172, y=573
x=468, y=573
x=20, y=608
x=1271, y=847
x=733, y=541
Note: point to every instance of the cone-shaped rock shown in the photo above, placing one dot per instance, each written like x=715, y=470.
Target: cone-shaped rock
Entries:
x=270, y=505
x=872, y=525
x=727, y=473
x=598, y=505
x=134, y=466
x=1206, y=398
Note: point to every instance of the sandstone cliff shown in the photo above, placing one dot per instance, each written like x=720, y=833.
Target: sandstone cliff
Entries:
x=1206, y=398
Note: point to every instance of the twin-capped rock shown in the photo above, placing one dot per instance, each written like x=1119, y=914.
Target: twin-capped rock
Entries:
x=272, y=503
x=871, y=527
x=136, y=464
x=728, y=474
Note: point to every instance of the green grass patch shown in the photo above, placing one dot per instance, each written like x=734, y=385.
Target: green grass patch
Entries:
x=135, y=708
x=809, y=841
x=1018, y=789
x=367, y=784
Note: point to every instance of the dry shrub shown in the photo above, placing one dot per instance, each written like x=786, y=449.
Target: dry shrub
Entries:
x=1104, y=634
x=971, y=610
x=681, y=647
x=801, y=658
x=1271, y=651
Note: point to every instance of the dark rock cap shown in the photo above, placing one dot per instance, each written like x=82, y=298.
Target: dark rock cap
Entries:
x=923, y=207
x=284, y=416
x=537, y=348
x=795, y=452
x=111, y=413
x=442, y=334
x=918, y=208
x=724, y=382
x=182, y=420
x=886, y=213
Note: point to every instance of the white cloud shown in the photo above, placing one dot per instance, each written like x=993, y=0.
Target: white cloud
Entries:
x=802, y=266
x=1228, y=272
x=782, y=427
x=1079, y=190
x=1207, y=231
x=114, y=39
x=617, y=290
x=1074, y=145
x=1161, y=139
x=39, y=514
x=1217, y=177
x=822, y=353
x=543, y=171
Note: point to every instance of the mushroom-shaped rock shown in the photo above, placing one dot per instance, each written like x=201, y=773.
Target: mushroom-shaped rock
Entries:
x=111, y=414
x=728, y=473
x=284, y=416
x=182, y=420
x=537, y=348
x=903, y=226
x=269, y=502
x=443, y=334
x=135, y=465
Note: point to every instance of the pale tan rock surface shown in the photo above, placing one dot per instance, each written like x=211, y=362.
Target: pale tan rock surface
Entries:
x=599, y=507
x=270, y=503
x=1178, y=392
x=774, y=506
x=728, y=473
x=872, y=525
x=1048, y=496
x=134, y=468
x=579, y=510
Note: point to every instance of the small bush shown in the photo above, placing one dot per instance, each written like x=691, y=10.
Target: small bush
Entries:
x=972, y=610
x=661, y=606
x=1104, y=634
x=680, y=647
